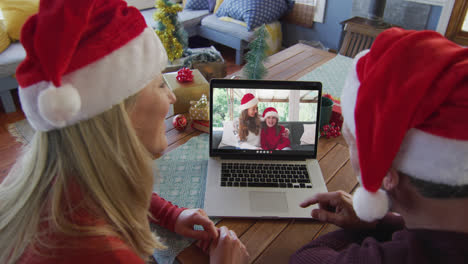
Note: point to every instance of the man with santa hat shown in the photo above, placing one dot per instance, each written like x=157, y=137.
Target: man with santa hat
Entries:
x=405, y=107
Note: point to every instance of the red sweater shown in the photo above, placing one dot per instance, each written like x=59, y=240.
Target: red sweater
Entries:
x=164, y=213
x=270, y=141
x=390, y=242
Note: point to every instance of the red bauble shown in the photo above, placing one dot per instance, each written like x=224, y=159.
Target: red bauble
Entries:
x=179, y=122
x=184, y=75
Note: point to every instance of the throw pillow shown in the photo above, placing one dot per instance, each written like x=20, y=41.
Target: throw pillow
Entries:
x=16, y=12
x=4, y=39
x=254, y=12
x=308, y=137
x=196, y=4
x=229, y=135
x=141, y=4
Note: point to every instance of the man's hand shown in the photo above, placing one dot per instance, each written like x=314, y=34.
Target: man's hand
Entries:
x=188, y=218
x=336, y=208
x=228, y=249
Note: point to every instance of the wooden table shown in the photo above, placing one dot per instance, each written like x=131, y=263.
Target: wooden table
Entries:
x=273, y=241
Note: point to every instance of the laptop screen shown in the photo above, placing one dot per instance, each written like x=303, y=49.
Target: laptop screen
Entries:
x=264, y=119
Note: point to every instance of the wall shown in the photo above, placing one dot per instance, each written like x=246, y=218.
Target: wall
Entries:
x=329, y=32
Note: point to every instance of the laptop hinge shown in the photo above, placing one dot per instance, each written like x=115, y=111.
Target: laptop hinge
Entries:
x=263, y=158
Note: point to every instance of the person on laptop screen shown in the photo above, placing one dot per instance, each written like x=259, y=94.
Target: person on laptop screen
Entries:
x=405, y=109
x=248, y=124
x=273, y=135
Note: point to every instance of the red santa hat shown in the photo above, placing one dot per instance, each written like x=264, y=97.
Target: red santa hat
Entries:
x=270, y=111
x=247, y=101
x=406, y=104
x=83, y=57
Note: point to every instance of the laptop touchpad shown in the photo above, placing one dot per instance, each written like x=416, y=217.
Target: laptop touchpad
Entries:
x=268, y=202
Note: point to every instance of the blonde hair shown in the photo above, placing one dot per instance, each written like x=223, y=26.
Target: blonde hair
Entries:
x=247, y=123
x=106, y=161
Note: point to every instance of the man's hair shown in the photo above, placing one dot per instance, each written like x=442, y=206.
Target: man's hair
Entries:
x=102, y=161
x=438, y=190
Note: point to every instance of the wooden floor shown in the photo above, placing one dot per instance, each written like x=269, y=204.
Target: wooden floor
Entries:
x=9, y=148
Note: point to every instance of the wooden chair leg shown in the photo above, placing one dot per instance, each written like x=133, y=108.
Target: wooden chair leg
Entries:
x=239, y=54
x=7, y=101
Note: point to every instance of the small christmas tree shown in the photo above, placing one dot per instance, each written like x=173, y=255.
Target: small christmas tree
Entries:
x=171, y=32
x=254, y=68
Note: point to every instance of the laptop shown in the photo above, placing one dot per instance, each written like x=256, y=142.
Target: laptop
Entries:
x=256, y=179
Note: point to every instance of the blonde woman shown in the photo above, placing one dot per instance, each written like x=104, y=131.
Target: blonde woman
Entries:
x=92, y=88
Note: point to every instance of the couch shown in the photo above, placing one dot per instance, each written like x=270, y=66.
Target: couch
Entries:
x=296, y=129
x=205, y=24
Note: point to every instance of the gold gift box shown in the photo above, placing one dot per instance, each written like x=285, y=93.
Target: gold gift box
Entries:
x=186, y=91
x=199, y=113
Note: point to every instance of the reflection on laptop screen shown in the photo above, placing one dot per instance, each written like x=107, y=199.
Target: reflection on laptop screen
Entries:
x=272, y=122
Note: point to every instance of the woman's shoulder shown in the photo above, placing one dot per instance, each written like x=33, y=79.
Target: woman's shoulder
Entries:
x=102, y=249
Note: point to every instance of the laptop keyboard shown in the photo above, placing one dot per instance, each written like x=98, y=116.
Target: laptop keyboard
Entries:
x=265, y=175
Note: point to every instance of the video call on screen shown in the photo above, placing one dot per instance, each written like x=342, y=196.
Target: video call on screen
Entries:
x=290, y=127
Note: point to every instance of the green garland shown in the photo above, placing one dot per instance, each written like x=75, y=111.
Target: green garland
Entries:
x=254, y=68
x=170, y=30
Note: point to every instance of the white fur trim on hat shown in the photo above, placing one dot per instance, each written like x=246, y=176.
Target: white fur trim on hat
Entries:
x=249, y=104
x=101, y=84
x=370, y=206
x=349, y=94
x=271, y=113
x=433, y=158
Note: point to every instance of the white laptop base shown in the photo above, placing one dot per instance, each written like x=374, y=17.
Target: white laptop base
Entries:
x=259, y=202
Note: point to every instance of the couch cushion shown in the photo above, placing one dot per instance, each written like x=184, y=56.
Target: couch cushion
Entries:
x=4, y=38
x=141, y=4
x=254, y=12
x=11, y=58
x=16, y=12
x=188, y=18
x=192, y=18
x=232, y=29
x=196, y=4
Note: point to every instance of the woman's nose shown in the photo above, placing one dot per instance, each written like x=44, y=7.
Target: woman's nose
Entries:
x=172, y=97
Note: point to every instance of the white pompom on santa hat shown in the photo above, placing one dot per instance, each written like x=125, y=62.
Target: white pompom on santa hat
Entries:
x=406, y=105
x=82, y=58
x=248, y=100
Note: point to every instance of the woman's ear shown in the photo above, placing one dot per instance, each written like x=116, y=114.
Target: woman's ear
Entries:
x=391, y=180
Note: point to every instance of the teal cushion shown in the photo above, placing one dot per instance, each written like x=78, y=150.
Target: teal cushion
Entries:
x=254, y=12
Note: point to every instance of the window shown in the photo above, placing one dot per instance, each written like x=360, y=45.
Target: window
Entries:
x=457, y=29
x=306, y=12
x=319, y=8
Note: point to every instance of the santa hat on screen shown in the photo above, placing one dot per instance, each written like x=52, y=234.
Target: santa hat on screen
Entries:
x=247, y=101
x=406, y=105
x=270, y=111
x=83, y=57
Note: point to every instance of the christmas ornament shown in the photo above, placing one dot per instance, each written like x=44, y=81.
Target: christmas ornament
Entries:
x=171, y=32
x=254, y=68
x=184, y=75
x=179, y=122
x=331, y=130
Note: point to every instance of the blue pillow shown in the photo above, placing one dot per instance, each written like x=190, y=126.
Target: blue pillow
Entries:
x=196, y=4
x=254, y=12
